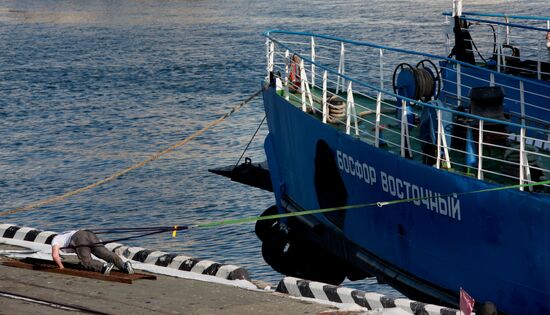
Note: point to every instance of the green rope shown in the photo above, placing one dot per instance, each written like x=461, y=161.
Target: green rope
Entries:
x=385, y=203
x=175, y=228
x=379, y=204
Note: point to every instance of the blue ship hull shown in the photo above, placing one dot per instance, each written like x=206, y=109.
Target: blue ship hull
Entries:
x=495, y=244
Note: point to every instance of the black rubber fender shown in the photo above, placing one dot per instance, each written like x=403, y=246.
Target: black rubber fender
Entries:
x=264, y=227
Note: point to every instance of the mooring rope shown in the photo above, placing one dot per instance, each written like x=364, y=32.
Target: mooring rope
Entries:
x=176, y=228
x=249, y=142
x=116, y=175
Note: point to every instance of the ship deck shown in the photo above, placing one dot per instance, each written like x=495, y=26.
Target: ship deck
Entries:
x=390, y=137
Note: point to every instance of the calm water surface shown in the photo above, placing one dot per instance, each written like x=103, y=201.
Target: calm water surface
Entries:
x=90, y=87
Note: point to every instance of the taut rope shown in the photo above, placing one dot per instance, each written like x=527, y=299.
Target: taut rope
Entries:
x=150, y=230
x=153, y=157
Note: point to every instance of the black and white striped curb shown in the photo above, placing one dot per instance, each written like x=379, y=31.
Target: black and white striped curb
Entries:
x=158, y=258
x=317, y=290
x=179, y=262
x=26, y=234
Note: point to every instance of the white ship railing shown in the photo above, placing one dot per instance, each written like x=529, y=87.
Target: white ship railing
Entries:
x=377, y=115
x=495, y=38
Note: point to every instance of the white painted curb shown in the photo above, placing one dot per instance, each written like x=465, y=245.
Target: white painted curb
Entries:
x=317, y=290
x=15, y=235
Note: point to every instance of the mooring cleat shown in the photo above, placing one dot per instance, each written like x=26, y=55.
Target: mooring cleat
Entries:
x=128, y=268
x=106, y=270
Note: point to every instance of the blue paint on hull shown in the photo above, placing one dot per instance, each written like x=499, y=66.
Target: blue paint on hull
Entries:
x=496, y=245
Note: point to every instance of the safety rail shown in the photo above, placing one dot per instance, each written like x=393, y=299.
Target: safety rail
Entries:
x=500, y=42
x=350, y=85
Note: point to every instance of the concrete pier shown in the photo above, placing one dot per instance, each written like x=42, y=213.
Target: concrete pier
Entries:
x=166, y=295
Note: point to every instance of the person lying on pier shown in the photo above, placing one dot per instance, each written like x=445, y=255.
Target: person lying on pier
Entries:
x=85, y=243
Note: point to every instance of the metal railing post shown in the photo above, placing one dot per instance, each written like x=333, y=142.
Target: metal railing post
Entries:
x=287, y=65
x=270, y=46
x=377, y=123
x=438, y=152
x=445, y=145
x=480, y=151
x=325, y=109
x=405, y=141
x=350, y=111
x=305, y=88
x=507, y=20
x=458, y=85
x=524, y=170
x=539, y=68
x=341, y=69
x=381, y=69
x=312, y=61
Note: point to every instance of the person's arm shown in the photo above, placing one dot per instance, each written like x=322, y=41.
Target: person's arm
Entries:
x=56, y=257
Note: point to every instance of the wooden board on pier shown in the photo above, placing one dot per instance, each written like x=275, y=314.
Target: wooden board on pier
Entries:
x=74, y=270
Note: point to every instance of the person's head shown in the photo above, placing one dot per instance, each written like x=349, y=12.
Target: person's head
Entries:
x=548, y=40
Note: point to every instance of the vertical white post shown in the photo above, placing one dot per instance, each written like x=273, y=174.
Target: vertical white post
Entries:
x=442, y=143
x=524, y=170
x=499, y=49
x=539, y=69
x=381, y=69
x=269, y=56
x=305, y=88
x=350, y=111
x=445, y=146
x=522, y=101
x=492, y=79
x=405, y=141
x=287, y=65
x=507, y=20
x=377, y=123
x=312, y=61
x=341, y=69
x=325, y=109
x=480, y=151
x=457, y=7
x=458, y=85
x=403, y=126
x=303, y=85
x=439, y=131
x=521, y=157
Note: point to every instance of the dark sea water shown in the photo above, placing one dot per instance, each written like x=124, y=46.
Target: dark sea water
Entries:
x=91, y=87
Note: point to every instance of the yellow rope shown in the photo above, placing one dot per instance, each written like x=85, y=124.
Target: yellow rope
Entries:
x=153, y=157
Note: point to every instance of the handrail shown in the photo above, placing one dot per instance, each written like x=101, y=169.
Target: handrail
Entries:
x=501, y=15
x=387, y=92
x=506, y=24
x=394, y=49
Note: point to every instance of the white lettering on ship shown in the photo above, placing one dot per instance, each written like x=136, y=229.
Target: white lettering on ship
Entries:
x=446, y=205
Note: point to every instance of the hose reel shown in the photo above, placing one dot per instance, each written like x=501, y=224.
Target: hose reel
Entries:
x=422, y=82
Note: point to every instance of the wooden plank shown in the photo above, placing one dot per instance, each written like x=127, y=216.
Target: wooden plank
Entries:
x=115, y=276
